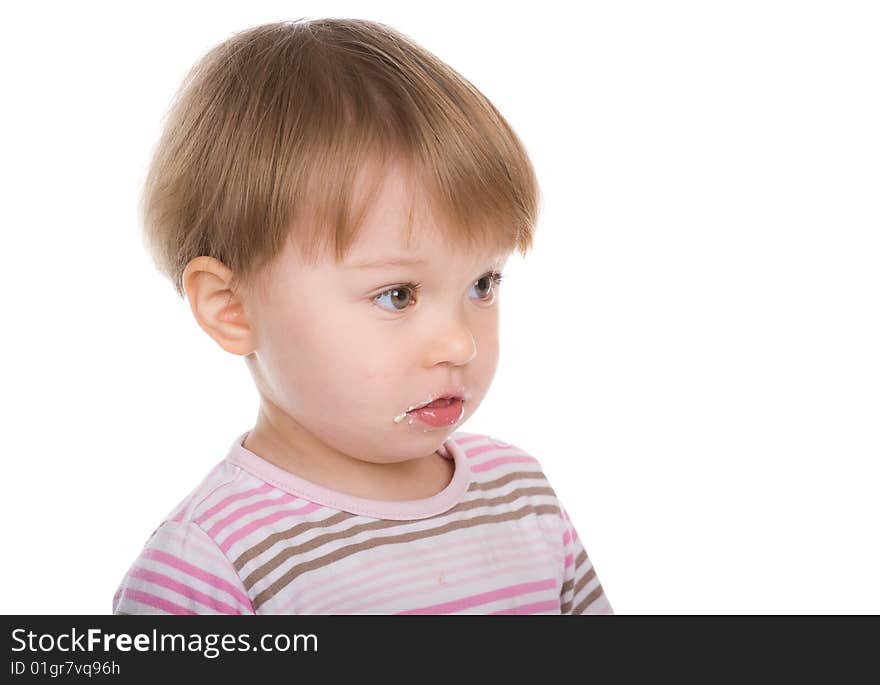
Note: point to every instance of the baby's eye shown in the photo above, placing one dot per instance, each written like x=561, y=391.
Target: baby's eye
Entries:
x=398, y=294
x=489, y=283
x=401, y=296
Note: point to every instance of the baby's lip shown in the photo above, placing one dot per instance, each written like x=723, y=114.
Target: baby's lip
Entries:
x=441, y=397
x=459, y=393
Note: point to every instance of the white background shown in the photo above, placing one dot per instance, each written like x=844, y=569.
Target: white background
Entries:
x=691, y=350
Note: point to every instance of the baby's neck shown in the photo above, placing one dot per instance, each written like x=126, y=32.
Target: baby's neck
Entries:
x=411, y=480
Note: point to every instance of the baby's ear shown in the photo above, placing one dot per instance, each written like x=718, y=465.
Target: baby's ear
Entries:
x=216, y=306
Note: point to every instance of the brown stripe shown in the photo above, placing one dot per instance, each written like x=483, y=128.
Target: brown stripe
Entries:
x=320, y=540
x=270, y=540
x=588, y=600
x=298, y=570
x=567, y=585
x=581, y=584
x=503, y=480
x=579, y=561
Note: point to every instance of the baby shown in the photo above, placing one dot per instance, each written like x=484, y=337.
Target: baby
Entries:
x=337, y=206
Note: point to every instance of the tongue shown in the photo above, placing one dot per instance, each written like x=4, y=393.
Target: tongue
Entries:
x=443, y=402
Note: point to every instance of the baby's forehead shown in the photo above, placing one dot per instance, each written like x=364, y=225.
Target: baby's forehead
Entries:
x=392, y=239
x=387, y=243
x=376, y=260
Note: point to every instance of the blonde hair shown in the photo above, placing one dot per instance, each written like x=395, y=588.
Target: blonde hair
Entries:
x=266, y=136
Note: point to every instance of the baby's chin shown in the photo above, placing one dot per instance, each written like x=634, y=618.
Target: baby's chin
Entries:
x=377, y=438
x=400, y=447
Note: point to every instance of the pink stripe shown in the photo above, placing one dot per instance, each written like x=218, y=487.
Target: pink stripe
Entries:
x=533, y=608
x=157, y=602
x=247, y=509
x=484, y=597
x=181, y=588
x=477, y=451
x=196, y=572
x=483, y=578
x=566, y=537
x=395, y=567
x=469, y=438
x=262, y=490
x=503, y=566
x=569, y=560
x=196, y=551
x=389, y=564
x=492, y=463
x=265, y=521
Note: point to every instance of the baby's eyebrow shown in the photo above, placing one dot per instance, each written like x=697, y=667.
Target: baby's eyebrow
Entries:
x=402, y=261
x=392, y=261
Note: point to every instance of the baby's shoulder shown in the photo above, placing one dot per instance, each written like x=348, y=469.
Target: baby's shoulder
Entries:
x=489, y=457
x=225, y=482
x=483, y=442
x=508, y=479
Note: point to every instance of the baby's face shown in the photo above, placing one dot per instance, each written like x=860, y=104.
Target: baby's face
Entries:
x=344, y=351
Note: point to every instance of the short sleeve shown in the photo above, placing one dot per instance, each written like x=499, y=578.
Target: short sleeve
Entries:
x=582, y=592
x=181, y=570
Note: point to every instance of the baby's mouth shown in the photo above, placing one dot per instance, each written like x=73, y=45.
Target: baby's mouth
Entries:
x=440, y=413
x=440, y=402
x=433, y=402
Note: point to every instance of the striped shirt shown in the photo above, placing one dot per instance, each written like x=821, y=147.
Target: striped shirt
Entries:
x=253, y=538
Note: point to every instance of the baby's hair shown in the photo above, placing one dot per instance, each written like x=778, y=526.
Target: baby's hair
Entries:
x=272, y=128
